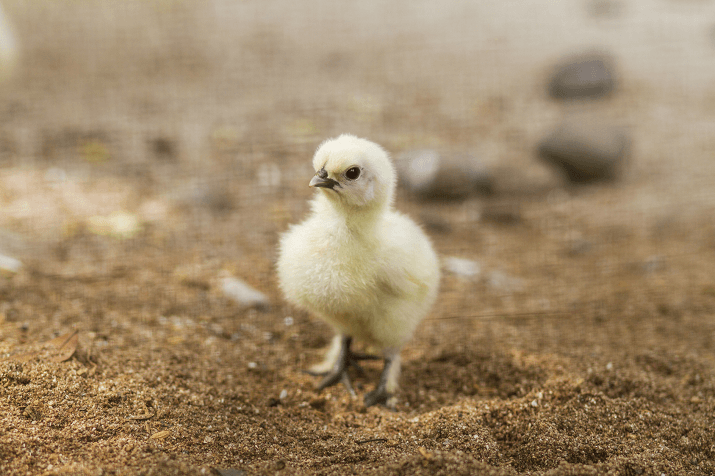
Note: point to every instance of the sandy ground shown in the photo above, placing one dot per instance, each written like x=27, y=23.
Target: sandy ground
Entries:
x=148, y=149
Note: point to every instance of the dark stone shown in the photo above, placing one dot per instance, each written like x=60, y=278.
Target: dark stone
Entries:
x=586, y=151
x=164, y=149
x=590, y=75
x=503, y=213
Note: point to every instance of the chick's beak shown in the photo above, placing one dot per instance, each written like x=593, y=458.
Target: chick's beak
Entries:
x=325, y=182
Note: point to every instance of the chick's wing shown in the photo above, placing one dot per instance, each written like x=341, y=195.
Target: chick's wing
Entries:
x=408, y=266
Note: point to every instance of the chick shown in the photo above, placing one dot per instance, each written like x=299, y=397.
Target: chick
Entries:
x=365, y=269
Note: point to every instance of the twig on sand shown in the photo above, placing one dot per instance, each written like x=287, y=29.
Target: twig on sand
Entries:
x=371, y=440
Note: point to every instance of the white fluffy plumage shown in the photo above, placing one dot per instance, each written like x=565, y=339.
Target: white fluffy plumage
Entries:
x=365, y=269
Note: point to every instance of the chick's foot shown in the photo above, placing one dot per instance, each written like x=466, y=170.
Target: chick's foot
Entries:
x=379, y=396
x=339, y=372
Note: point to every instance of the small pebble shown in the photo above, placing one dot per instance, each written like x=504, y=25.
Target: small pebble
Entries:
x=589, y=75
x=243, y=294
x=10, y=264
x=163, y=148
x=586, y=150
x=283, y=395
x=288, y=321
x=462, y=267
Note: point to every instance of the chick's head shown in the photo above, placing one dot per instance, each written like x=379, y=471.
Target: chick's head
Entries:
x=354, y=172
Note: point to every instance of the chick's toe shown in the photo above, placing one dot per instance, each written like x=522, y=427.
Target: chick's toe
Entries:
x=339, y=372
x=378, y=396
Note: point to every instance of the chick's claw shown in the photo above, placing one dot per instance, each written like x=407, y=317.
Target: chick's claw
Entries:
x=381, y=395
x=378, y=396
x=334, y=377
x=339, y=372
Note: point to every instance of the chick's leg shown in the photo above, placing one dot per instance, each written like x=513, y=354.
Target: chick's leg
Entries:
x=334, y=369
x=388, y=380
x=342, y=359
x=339, y=372
x=331, y=356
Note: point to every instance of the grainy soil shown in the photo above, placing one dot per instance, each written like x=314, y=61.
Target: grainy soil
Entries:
x=149, y=149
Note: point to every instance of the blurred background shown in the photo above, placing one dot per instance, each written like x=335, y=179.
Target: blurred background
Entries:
x=189, y=126
x=560, y=154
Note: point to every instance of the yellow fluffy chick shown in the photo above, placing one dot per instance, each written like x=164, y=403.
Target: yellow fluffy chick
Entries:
x=365, y=269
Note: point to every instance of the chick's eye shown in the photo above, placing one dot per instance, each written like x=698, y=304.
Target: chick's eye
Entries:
x=352, y=173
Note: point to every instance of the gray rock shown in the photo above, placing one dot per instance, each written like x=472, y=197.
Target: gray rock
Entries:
x=243, y=294
x=586, y=150
x=432, y=175
x=589, y=75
